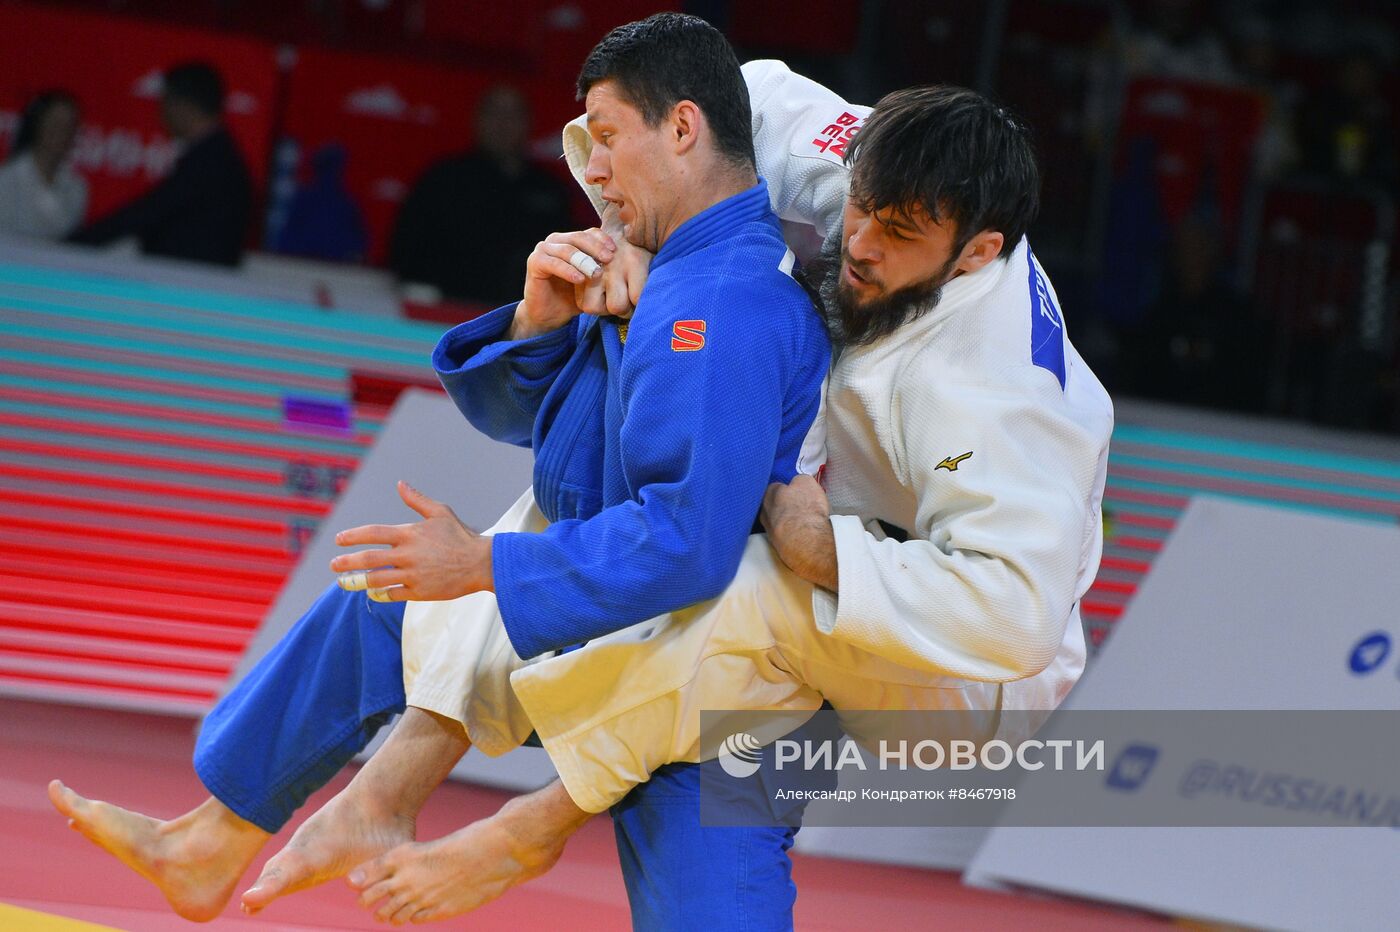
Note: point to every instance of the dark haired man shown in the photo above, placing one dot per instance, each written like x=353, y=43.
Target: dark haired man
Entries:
x=974, y=610
x=437, y=233
x=646, y=488
x=968, y=444
x=200, y=211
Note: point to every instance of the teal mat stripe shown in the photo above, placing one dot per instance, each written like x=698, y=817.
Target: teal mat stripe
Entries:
x=1136, y=508
x=265, y=309
x=275, y=460
x=111, y=342
x=1312, y=508
x=1254, y=478
x=270, y=412
x=174, y=376
x=223, y=331
x=1275, y=453
x=292, y=443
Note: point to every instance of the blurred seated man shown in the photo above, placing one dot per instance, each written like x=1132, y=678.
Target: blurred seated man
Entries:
x=471, y=221
x=40, y=194
x=200, y=211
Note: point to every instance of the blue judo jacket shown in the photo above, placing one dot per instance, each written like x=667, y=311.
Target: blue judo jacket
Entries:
x=654, y=445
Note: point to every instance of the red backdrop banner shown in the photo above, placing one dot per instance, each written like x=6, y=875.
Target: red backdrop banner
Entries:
x=395, y=117
x=113, y=65
x=1204, y=136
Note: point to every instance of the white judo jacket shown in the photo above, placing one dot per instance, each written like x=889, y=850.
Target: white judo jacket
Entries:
x=966, y=451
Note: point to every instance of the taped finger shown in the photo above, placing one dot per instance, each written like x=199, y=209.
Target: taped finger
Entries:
x=384, y=594
x=353, y=581
x=560, y=268
x=585, y=263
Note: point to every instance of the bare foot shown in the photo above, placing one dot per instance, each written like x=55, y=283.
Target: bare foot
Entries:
x=194, y=860
x=428, y=881
x=346, y=831
x=471, y=867
x=372, y=815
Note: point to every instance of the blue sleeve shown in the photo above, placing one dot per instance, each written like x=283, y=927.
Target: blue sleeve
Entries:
x=497, y=383
x=699, y=435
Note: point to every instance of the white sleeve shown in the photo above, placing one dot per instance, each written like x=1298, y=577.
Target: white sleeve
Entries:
x=577, y=147
x=984, y=586
x=800, y=133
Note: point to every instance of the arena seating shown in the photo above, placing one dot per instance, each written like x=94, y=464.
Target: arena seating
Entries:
x=166, y=446
x=164, y=452
x=1156, y=464
x=1046, y=66
x=1320, y=281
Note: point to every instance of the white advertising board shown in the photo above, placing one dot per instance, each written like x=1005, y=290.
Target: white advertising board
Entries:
x=1250, y=608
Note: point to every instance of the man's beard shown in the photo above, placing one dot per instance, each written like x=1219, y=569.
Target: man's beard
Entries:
x=853, y=322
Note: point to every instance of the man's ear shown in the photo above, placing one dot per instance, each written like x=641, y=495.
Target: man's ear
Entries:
x=979, y=251
x=686, y=123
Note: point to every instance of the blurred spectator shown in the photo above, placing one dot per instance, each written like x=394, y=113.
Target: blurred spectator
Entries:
x=1137, y=231
x=1257, y=59
x=200, y=211
x=470, y=222
x=323, y=221
x=1199, y=343
x=40, y=194
x=1176, y=41
x=1346, y=131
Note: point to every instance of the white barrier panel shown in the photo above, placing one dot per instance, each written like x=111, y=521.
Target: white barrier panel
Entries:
x=426, y=442
x=1246, y=608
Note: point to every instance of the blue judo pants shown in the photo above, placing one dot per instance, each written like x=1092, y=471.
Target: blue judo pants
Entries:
x=323, y=692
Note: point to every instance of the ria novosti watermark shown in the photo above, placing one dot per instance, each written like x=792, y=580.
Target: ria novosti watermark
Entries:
x=1080, y=769
x=929, y=754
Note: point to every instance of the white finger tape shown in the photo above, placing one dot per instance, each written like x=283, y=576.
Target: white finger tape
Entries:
x=353, y=581
x=584, y=263
x=381, y=595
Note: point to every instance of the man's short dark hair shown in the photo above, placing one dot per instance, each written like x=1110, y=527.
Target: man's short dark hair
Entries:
x=659, y=61
x=952, y=152
x=197, y=83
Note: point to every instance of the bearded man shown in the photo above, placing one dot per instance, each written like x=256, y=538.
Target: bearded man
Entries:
x=939, y=570
x=967, y=451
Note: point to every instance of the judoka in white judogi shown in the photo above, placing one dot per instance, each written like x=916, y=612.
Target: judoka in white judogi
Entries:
x=966, y=465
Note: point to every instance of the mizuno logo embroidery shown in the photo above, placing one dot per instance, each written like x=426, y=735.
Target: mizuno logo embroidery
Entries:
x=951, y=463
x=688, y=336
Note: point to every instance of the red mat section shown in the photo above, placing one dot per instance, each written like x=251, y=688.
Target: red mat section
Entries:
x=142, y=762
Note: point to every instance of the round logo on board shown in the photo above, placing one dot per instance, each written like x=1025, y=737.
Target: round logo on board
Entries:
x=1369, y=653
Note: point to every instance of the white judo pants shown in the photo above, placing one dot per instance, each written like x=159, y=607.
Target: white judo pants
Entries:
x=618, y=708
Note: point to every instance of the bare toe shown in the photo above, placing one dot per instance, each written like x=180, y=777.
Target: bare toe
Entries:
x=288, y=871
x=65, y=800
x=377, y=892
x=372, y=872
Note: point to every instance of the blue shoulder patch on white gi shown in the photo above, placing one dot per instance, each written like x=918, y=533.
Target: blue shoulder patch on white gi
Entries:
x=1047, y=327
